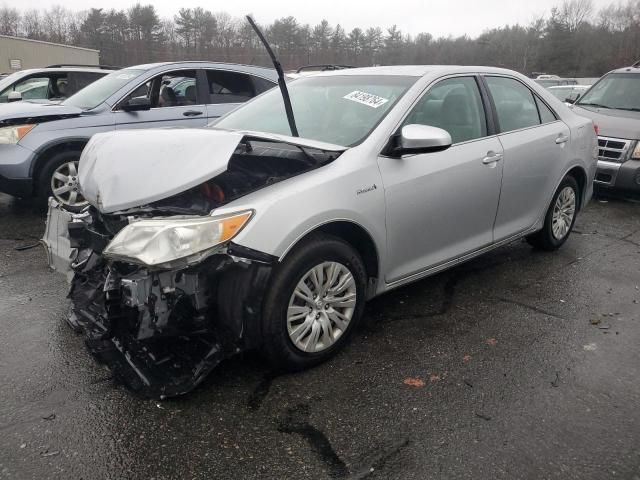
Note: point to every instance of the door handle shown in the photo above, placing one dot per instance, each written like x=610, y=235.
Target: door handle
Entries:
x=562, y=139
x=492, y=158
x=192, y=113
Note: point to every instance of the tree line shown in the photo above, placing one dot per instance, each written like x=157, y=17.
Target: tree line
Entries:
x=573, y=39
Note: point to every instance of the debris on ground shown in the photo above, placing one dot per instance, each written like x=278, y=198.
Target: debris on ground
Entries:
x=590, y=347
x=21, y=248
x=483, y=417
x=595, y=321
x=466, y=358
x=49, y=454
x=414, y=382
x=50, y=417
x=556, y=382
x=492, y=341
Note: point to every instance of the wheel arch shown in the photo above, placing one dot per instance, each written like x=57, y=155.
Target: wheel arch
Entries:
x=580, y=176
x=50, y=149
x=357, y=237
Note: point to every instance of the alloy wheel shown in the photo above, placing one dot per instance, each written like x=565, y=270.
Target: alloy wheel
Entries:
x=321, y=307
x=64, y=185
x=563, y=212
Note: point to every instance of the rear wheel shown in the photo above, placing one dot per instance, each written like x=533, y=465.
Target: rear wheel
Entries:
x=59, y=179
x=315, y=301
x=560, y=217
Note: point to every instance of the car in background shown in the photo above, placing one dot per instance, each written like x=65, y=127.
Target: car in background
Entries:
x=552, y=82
x=51, y=84
x=271, y=231
x=40, y=145
x=613, y=104
x=568, y=93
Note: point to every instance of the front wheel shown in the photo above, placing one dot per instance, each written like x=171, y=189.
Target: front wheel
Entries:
x=315, y=301
x=59, y=179
x=560, y=217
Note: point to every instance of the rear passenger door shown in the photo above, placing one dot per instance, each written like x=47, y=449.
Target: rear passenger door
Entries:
x=535, y=152
x=175, y=102
x=226, y=90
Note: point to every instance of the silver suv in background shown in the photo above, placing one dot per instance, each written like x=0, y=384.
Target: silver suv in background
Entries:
x=613, y=104
x=50, y=84
x=198, y=244
x=40, y=145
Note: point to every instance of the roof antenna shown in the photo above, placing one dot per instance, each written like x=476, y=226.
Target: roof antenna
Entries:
x=281, y=81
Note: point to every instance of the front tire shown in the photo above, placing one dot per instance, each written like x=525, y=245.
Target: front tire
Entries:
x=560, y=217
x=59, y=179
x=316, y=299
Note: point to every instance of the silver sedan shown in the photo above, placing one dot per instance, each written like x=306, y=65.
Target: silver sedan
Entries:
x=242, y=236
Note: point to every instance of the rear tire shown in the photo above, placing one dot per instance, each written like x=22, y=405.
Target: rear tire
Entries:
x=560, y=217
x=302, y=332
x=64, y=165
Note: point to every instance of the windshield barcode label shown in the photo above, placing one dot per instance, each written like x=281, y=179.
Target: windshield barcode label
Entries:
x=366, y=98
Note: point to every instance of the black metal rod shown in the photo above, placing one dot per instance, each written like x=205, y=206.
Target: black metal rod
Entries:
x=281, y=81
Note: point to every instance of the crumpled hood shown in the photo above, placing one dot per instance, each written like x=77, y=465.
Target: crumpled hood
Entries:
x=612, y=123
x=16, y=112
x=130, y=168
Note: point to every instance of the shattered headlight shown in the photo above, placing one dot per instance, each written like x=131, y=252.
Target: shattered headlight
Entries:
x=636, y=152
x=157, y=242
x=12, y=135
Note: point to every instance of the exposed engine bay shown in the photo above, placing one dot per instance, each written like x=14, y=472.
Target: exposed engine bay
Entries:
x=161, y=329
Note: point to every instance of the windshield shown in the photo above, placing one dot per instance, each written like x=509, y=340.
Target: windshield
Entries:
x=97, y=92
x=617, y=90
x=342, y=110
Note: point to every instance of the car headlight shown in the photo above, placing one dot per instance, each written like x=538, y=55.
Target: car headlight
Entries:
x=636, y=152
x=163, y=241
x=12, y=135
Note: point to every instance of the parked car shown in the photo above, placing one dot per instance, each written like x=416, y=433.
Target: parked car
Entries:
x=198, y=244
x=51, y=84
x=553, y=82
x=568, y=93
x=613, y=104
x=40, y=144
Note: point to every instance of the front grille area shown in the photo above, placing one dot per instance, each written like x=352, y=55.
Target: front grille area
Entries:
x=612, y=149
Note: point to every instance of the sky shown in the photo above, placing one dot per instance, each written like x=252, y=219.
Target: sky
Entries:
x=438, y=17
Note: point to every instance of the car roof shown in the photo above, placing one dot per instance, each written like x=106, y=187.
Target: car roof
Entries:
x=631, y=69
x=415, y=70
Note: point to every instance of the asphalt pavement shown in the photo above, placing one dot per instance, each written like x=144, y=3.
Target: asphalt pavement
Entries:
x=519, y=364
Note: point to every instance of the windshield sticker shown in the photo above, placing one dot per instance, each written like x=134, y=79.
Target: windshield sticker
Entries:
x=366, y=98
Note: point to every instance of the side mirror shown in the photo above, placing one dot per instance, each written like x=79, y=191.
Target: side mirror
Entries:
x=136, y=104
x=416, y=138
x=573, y=98
x=14, y=97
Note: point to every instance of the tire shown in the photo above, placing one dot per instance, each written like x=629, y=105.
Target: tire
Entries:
x=317, y=252
x=547, y=239
x=44, y=183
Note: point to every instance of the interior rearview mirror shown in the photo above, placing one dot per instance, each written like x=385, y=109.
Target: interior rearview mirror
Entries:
x=573, y=98
x=14, y=97
x=416, y=138
x=136, y=104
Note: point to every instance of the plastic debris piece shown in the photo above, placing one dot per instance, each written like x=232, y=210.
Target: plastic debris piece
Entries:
x=414, y=382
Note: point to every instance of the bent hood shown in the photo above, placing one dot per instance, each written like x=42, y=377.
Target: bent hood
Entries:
x=25, y=112
x=612, y=123
x=130, y=168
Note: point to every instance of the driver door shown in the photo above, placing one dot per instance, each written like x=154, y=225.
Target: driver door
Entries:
x=174, y=99
x=442, y=205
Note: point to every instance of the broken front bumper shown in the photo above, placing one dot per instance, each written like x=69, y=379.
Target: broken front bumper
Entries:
x=160, y=331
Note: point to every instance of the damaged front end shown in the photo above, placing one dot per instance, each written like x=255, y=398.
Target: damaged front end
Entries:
x=160, y=290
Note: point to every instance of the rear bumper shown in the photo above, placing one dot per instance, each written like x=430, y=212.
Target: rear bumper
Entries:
x=622, y=176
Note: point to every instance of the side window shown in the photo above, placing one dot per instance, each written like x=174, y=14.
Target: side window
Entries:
x=229, y=87
x=30, y=88
x=261, y=85
x=171, y=89
x=546, y=115
x=515, y=105
x=78, y=80
x=454, y=105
